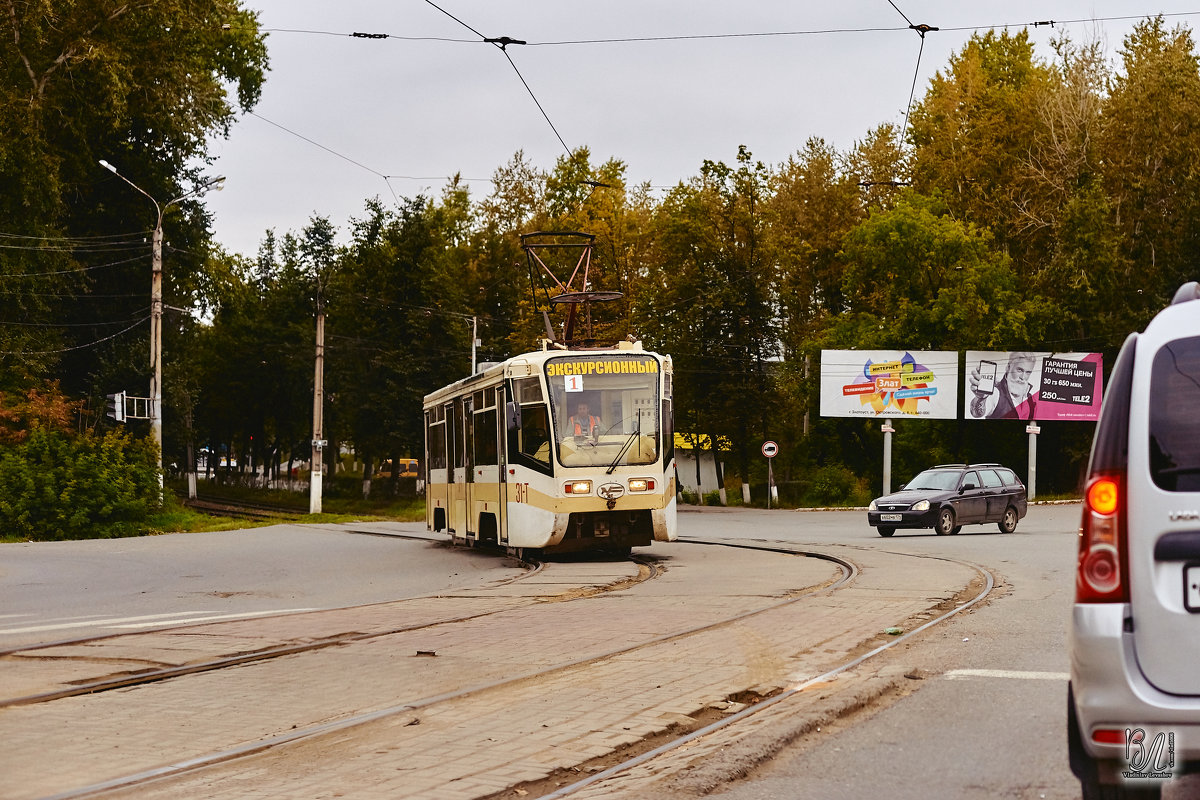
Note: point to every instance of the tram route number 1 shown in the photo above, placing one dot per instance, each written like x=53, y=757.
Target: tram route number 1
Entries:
x=520, y=492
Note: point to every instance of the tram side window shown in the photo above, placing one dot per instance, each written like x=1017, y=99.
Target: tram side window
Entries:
x=462, y=442
x=530, y=441
x=436, y=438
x=485, y=438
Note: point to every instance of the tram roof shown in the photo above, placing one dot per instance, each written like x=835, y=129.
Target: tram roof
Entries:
x=533, y=361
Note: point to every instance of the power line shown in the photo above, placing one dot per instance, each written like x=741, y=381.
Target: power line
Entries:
x=76, y=270
x=96, y=238
x=77, y=347
x=73, y=324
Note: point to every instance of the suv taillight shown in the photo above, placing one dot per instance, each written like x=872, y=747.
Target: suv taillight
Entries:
x=1100, y=576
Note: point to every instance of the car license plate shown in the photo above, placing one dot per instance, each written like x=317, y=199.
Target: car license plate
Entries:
x=1191, y=588
x=900, y=517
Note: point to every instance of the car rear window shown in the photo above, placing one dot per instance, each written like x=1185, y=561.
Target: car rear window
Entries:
x=990, y=479
x=1008, y=476
x=1174, y=416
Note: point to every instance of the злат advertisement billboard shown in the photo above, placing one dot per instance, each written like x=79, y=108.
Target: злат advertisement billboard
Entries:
x=889, y=384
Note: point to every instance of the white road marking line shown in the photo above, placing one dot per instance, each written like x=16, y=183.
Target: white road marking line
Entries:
x=961, y=674
x=213, y=617
x=148, y=620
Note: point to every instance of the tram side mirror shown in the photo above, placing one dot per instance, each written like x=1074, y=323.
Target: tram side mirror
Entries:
x=512, y=413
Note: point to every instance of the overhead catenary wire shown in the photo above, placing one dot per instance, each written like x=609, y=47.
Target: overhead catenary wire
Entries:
x=701, y=37
x=503, y=42
x=329, y=150
x=921, y=31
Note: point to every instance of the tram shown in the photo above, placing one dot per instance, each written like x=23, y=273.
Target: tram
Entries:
x=556, y=450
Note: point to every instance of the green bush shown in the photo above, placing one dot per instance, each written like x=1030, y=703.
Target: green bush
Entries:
x=835, y=485
x=53, y=486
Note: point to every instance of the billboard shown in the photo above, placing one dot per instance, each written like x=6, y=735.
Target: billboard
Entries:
x=1033, y=385
x=889, y=384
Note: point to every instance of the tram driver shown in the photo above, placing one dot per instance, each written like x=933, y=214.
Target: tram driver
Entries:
x=584, y=425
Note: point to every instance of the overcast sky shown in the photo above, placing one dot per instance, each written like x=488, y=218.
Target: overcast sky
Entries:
x=339, y=113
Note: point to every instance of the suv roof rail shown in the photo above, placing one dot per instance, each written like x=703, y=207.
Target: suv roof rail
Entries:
x=987, y=464
x=1189, y=291
x=946, y=466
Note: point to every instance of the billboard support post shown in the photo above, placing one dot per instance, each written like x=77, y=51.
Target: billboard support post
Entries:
x=888, y=430
x=1031, y=484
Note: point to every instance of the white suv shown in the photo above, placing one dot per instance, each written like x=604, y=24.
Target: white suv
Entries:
x=1133, y=703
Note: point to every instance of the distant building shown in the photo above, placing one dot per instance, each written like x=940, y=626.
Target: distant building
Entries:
x=688, y=448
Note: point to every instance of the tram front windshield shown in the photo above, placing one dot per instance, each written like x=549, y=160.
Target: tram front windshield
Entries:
x=605, y=409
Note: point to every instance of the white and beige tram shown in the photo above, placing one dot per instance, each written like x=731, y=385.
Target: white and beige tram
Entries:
x=555, y=450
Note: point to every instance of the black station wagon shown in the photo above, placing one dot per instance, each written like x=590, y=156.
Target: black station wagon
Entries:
x=948, y=496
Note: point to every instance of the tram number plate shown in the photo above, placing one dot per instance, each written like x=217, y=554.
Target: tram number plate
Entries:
x=891, y=517
x=1191, y=588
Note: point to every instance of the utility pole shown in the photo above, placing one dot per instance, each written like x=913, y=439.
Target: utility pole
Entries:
x=156, y=310
x=156, y=305
x=318, y=441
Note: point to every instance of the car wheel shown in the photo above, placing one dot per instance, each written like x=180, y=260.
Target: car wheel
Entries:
x=1008, y=523
x=885, y=531
x=945, y=522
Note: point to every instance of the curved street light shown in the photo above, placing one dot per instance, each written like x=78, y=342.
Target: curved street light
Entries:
x=156, y=303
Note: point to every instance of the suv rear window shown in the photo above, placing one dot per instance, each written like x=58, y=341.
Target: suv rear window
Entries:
x=1175, y=416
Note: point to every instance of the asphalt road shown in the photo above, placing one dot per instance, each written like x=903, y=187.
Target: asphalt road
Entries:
x=985, y=716
x=988, y=717
x=50, y=591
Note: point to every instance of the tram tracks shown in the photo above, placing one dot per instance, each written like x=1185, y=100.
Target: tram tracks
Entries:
x=149, y=675
x=843, y=576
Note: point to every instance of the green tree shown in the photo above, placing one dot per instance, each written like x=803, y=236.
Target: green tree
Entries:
x=709, y=300
x=395, y=329
x=143, y=86
x=918, y=278
x=973, y=130
x=1150, y=154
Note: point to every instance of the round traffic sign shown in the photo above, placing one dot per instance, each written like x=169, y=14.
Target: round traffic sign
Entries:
x=769, y=449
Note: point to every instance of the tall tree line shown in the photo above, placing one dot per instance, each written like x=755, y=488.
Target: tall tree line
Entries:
x=1043, y=201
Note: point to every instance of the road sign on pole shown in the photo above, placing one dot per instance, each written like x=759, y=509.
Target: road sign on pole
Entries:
x=770, y=449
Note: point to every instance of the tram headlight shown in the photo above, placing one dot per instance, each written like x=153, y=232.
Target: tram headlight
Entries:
x=578, y=487
x=641, y=484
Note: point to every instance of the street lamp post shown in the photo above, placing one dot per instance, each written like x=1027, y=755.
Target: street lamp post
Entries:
x=156, y=302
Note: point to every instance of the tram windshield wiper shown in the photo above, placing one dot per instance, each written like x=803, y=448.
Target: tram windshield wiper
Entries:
x=625, y=447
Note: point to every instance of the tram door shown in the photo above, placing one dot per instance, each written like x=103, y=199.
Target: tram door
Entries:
x=453, y=425
x=502, y=472
x=467, y=485
x=460, y=469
